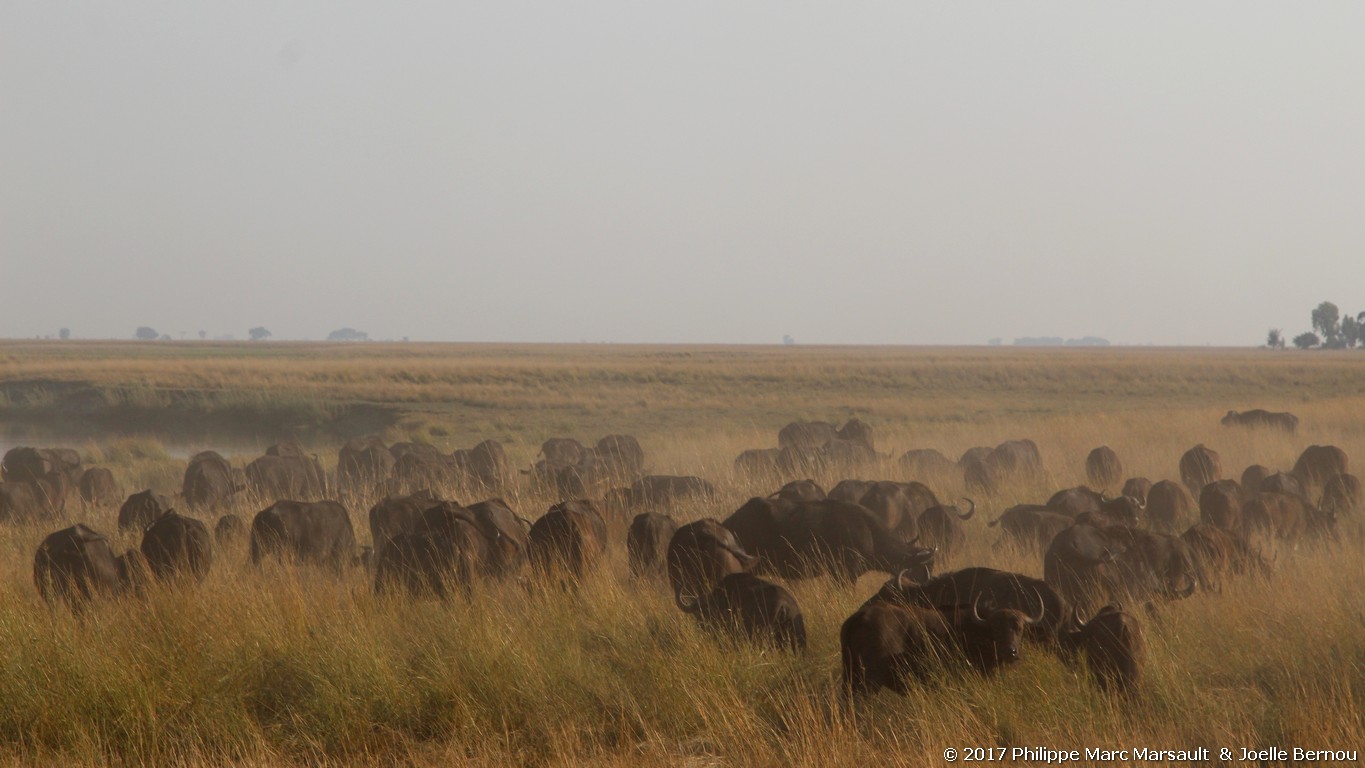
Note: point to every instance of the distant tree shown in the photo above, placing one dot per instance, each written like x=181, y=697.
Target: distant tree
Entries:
x=165, y=337
x=1307, y=340
x=1327, y=321
x=788, y=340
x=1274, y=339
x=259, y=333
x=1350, y=331
x=147, y=334
x=348, y=334
x=64, y=334
x=203, y=334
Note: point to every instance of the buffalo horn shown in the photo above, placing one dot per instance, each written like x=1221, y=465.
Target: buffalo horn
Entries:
x=971, y=511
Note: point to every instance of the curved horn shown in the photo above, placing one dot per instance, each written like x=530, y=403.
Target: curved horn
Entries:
x=976, y=611
x=686, y=607
x=1186, y=592
x=1103, y=498
x=971, y=511
x=926, y=556
x=1076, y=618
x=1042, y=609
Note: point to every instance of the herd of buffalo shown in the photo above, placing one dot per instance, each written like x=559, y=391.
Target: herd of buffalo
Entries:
x=1150, y=543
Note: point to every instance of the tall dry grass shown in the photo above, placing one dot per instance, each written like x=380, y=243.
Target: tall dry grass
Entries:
x=286, y=665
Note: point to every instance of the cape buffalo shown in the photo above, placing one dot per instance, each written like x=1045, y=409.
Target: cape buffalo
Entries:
x=1284, y=516
x=562, y=450
x=888, y=502
x=662, y=491
x=859, y=432
x=141, y=510
x=647, y=542
x=759, y=462
x=1000, y=588
x=570, y=538
x=1092, y=561
x=98, y=487
x=452, y=545
x=801, y=490
x=804, y=539
x=1253, y=475
x=1319, y=464
x=744, y=605
x=702, y=553
x=26, y=464
x=416, y=469
x=1287, y=422
x=1103, y=468
x=487, y=465
x=286, y=476
x=1281, y=482
x=395, y=515
x=174, y=544
x=1112, y=645
x=363, y=463
x=621, y=457
x=1200, y=466
x=806, y=435
x=1217, y=553
x=316, y=532
x=29, y=500
x=1031, y=525
x=1220, y=504
x=1122, y=510
x=926, y=463
x=1169, y=507
x=77, y=563
x=1137, y=488
x=208, y=480
x=1341, y=496
x=1011, y=461
x=229, y=530
x=841, y=455
x=940, y=527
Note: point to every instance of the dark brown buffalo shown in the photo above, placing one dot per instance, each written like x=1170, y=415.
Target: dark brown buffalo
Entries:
x=1011, y=461
x=30, y=500
x=208, y=480
x=647, y=542
x=562, y=450
x=801, y=490
x=887, y=501
x=842, y=456
x=1137, y=488
x=1200, y=466
x=1169, y=507
x=363, y=463
x=98, y=487
x=26, y=464
x=1280, y=482
x=1341, y=496
x=175, y=545
x=286, y=477
x=317, y=533
x=229, y=530
x=804, y=539
x=398, y=514
x=857, y=431
x=1253, y=475
x=806, y=435
x=620, y=456
x=287, y=448
x=884, y=643
x=1319, y=464
x=971, y=455
x=75, y=564
x=1121, y=510
x=1113, y=648
x=1284, y=516
x=417, y=469
x=759, y=462
x=1287, y=422
x=702, y=553
x=743, y=605
x=1032, y=526
x=1091, y=562
x=487, y=466
x=1216, y=553
x=1220, y=504
x=142, y=509
x=509, y=532
x=452, y=546
x=926, y=462
x=1103, y=468
x=662, y=491
x=569, y=539
x=940, y=527
x=992, y=587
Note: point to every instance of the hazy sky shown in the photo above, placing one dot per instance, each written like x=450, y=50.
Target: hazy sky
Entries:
x=1176, y=173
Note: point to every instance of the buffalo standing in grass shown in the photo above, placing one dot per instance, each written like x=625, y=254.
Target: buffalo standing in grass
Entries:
x=453, y=545
x=286, y=476
x=1103, y=468
x=142, y=509
x=208, y=480
x=1341, y=496
x=1121, y=510
x=176, y=545
x=647, y=542
x=363, y=463
x=76, y=564
x=806, y=435
x=1286, y=422
x=1220, y=504
x=661, y=491
x=29, y=500
x=1169, y=507
x=1032, y=526
x=1318, y=464
x=926, y=463
x=398, y=514
x=992, y=587
x=1113, y=647
x=1200, y=466
x=1092, y=561
x=744, y=605
x=1137, y=488
x=569, y=539
x=317, y=533
x=940, y=527
x=759, y=462
x=1253, y=475
x=801, y=490
x=98, y=487
x=702, y=553
x=1217, y=553
x=1284, y=516
x=229, y=530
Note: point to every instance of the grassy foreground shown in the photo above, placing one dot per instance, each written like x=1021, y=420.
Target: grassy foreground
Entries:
x=286, y=666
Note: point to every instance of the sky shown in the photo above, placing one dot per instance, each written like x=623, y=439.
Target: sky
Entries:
x=696, y=172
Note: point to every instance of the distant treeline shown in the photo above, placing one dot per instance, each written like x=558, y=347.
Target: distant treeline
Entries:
x=1332, y=329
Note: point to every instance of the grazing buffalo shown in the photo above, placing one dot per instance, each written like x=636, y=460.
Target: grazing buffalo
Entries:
x=801, y=490
x=759, y=462
x=1137, y=488
x=972, y=455
x=647, y=542
x=926, y=462
x=176, y=545
x=26, y=464
x=860, y=432
x=98, y=487
x=1253, y=475
x=486, y=466
x=75, y=564
x=398, y=514
x=286, y=476
x=452, y=545
x=1220, y=504
x=1284, y=516
x=287, y=448
x=1012, y=460
x=940, y=527
x=844, y=456
x=1092, y=561
x=1319, y=464
x=1113, y=648
x=363, y=463
x=1169, y=507
x=702, y=553
x=29, y=500
x=1281, y=482
x=417, y=469
x=804, y=539
x=509, y=532
x=208, y=480
x=1341, y=496
x=993, y=587
x=1031, y=525
x=661, y=491
x=562, y=450
x=141, y=510
x=229, y=530
x=1287, y=422
x=888, y=502
x=1200, y=466
x=743, y=605
x=806, y=435
x=1103, y=468
x=1122, y=510
x=620, y=457
x=1217, y=553
x=883, y=643
x=568, y=539
x=317, y=532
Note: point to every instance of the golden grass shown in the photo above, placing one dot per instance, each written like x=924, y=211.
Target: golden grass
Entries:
x=291, y=666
